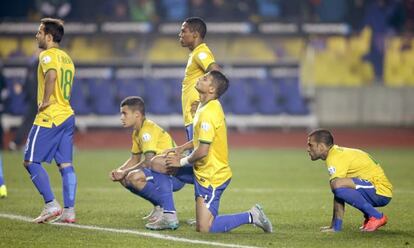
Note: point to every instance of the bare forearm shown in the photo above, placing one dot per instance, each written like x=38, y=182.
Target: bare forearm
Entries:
x=131, y=162
x=200, y=152
x=186, y=146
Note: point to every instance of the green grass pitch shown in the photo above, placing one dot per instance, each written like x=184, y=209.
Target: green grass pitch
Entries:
x=293, y=191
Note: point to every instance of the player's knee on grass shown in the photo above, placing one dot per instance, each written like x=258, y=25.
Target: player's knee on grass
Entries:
x=26, y=163
x=136, y=178
x=203, y=226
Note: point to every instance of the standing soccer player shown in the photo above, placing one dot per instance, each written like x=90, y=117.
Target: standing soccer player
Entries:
x=210, y=160
x=355, y=178
x=51, y=136
x=200, y=61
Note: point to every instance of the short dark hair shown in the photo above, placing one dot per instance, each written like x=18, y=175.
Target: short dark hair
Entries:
x=135, y=103
x=196, y=24
x=221, y=82
x=53, y=27
x=322, y=136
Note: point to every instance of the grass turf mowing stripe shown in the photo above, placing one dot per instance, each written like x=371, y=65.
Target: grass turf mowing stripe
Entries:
x=126, y=231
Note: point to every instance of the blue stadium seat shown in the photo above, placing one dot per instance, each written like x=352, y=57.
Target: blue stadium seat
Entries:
x=174, y=85
x=267, y=99
x=130, y=87
x=293, y=101
x=15, y=102
x=103, y=97
x=79, y=97
x=239, y=96
x=157, y=97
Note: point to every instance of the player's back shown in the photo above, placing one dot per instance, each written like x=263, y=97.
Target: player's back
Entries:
x=361, y=165
x=60, y=109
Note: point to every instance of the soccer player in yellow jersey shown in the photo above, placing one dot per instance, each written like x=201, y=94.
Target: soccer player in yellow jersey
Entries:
x=200, y=61
x=210, y=161
x=51, y=136
x=139, y=174
x=355, y=178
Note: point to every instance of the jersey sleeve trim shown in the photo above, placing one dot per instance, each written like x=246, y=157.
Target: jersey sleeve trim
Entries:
x=205, y=141
x=147, y=151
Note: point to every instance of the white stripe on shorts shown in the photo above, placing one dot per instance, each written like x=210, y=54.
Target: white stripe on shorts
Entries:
x=364, y=187
x=33, y=143
x=212, y=197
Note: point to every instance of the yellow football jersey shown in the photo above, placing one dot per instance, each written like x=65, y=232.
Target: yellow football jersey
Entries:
x=210, y=127
x=60, y=109
x=345, y=162
x=151, y=138
x=198, y=62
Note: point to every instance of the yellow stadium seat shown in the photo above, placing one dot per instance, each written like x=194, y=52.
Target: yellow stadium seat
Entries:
x=7, y=46
x=250, y=50
x=167, y=50
x=29, y=46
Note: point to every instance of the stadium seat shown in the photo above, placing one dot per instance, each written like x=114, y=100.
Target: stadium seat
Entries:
x=240, y=97
x=267, y=99
x=103, y=97
x=157, y=97
x=293, y=102
x=164, y=50
x=15, y=102
x=251, y=50
x=130, y=87
x=174, y=85
x=79, y=97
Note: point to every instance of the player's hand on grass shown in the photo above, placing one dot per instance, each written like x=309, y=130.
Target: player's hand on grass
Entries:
x=327, y=229
x=117, y=175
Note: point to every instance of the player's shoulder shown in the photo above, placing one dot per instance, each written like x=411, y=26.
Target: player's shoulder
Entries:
x=47, y=56
x=202, y=49
x=212, y=109
x=150, y=126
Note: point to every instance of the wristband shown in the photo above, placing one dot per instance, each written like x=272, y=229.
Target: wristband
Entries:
x=337, y=226
x=184, y=161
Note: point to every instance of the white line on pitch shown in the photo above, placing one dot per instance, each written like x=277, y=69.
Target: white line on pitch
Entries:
x=126, y=231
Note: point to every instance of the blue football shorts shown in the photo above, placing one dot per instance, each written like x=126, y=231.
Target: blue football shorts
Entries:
x=210, y=195
x=368, y=191
x=45, y=144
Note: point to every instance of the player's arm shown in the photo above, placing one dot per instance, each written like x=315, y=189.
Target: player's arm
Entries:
x=337, y=217
x=174, y=160
x=50, y=80
x=180, y=149
x=119, y=173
